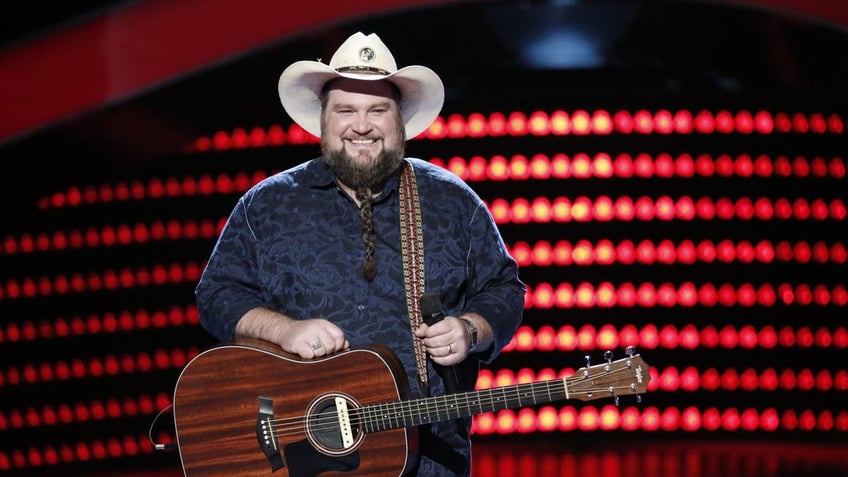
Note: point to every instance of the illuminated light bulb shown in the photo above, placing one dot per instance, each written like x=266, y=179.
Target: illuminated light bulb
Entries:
x=724, y=122
x=687, y=295
x=585, y=295
x=836, y=168
x=581, y=209
x=649, y=336
x=623, y=166
x=625, y=252
x=689, y=379
x=497, y=125
x=643, y=122
x=837, y=210
x=498, y=169
x=602, y=122
x=683, y=122
x=800, y=123
x=560, y=166
x=670, y=419
x=543, y=253
x=539, y=124
x=560, y=123
x=477, y=168
x=505, y=423
x=602, y=166
x=705, y=122
x=626, y=295
x=604, y=253
x=456, y=126
x=625, y=211
x=581, y=166
x=587, y=419
x=668, y=337
x=562, y=253
x=566, y=338
x=690, y=419
x=518, y=168
x=581, y=123
x=520, y=252
x=437, y=129
x=586, y=337
x=644, y=208
x=745, y=251
x=517, y=124
x=477, y=125
x=544, y=296
x=666, y=295
x=705, y=165
x=526, y=421
x=818, y=167
x=602, y=210
x=744, y=122
x=762, y=166
x=623, y=122
x=643, y=166
x=540, y=167
x=663, y=122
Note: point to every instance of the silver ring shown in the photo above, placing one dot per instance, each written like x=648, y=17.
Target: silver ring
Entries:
x=450, y=350
x=317, y=345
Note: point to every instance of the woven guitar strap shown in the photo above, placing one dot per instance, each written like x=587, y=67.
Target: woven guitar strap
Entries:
x=412, y=248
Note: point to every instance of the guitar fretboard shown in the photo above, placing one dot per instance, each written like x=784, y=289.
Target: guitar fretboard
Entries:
x=393, y=415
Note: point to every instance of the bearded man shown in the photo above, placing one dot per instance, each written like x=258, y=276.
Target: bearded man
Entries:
x=317, y=260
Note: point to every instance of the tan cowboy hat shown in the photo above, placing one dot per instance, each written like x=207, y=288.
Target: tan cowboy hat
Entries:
x=363, y=58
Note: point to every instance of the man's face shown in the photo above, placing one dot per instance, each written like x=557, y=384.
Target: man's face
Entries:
x=362, y=134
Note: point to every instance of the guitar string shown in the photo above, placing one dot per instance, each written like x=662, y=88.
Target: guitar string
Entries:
x=450, y=402
x=446, y=404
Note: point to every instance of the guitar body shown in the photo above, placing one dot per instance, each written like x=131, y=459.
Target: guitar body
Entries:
x=227, y=396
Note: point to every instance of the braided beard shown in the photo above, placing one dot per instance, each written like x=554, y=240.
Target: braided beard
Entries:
x=364, y=177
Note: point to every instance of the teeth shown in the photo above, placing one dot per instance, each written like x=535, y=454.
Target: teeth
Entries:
x=362, y=141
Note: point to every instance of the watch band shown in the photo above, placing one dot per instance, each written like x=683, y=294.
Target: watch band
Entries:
x=472, y=330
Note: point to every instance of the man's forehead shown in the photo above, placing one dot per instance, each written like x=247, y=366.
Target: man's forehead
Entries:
x=380, y=88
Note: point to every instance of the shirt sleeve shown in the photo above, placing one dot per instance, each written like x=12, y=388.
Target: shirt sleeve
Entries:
x=229, y=285
x=496, y=292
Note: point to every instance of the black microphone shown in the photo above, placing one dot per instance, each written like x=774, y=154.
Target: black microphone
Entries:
x=432, y=312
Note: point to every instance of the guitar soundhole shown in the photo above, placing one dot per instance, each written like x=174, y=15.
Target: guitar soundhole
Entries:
x=333, y=431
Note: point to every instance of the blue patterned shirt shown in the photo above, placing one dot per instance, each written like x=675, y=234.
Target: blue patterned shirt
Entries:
x=293, y=243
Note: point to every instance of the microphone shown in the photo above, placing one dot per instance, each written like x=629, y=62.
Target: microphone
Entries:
x=432, y=312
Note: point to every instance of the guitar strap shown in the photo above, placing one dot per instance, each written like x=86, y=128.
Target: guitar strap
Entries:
x=412, y=248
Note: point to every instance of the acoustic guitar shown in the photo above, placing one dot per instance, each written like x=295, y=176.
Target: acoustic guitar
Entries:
x=247, y=408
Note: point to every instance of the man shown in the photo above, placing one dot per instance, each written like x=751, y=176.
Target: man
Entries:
x=312, y=258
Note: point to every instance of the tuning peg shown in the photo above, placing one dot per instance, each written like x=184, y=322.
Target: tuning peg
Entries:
x=616, y=401
x=608, y=356
x=630, y=351
x=588, y=360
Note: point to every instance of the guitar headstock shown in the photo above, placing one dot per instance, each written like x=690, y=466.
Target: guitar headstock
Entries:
x=623, y=377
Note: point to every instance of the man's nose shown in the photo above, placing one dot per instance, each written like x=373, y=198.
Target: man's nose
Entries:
x=361, y=123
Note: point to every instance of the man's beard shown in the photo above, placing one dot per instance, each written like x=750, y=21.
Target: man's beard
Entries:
x=363, y=174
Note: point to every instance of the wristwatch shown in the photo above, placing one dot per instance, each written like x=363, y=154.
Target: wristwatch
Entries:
x=472, y=330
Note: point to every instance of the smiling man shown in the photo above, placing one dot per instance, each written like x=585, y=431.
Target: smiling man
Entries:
x=338, y=251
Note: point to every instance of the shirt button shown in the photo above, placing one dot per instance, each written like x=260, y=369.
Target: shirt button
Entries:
x=361, y=307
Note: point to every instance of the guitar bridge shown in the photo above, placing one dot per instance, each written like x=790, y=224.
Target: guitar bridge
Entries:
x=265, y=435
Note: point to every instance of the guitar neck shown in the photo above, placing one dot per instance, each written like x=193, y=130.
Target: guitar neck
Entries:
x=381, y=417
x=623, y=377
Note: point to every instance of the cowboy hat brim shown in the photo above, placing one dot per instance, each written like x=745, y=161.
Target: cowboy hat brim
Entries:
x=421, y=90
